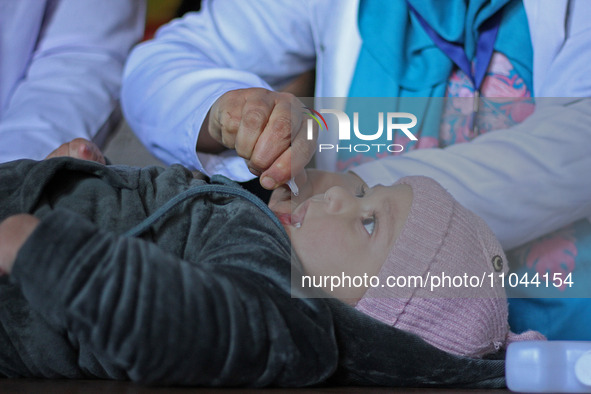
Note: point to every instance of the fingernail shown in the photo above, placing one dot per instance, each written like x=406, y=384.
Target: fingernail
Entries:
x=268, y=183
x=254, y=171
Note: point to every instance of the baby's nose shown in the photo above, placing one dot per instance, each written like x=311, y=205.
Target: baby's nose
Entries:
x=338, y=199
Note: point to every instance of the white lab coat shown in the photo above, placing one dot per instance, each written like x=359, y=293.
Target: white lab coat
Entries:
x=525, y=181
x=61, y=63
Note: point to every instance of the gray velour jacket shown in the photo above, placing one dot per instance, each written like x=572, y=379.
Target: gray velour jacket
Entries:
x=155, y=276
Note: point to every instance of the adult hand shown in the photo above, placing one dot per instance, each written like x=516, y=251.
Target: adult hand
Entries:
x=14, y=231
x=266, y=128
x=79, y=148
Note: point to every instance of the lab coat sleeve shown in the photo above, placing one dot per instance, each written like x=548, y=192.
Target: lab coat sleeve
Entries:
x=524, y=182
x=171, y=82
x=560, y=33
x=164, y=320
x=71, y=88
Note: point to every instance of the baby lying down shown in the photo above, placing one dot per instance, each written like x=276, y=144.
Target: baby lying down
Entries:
x=447, y=261
x=159, y=276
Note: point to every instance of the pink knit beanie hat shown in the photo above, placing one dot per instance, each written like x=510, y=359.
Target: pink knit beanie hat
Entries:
x=449, y=246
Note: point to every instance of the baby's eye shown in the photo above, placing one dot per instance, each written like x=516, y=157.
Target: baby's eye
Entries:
x=369, y=224
x=360, y=191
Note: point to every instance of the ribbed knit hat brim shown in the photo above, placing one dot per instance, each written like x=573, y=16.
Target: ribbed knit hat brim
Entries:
x=441, y=237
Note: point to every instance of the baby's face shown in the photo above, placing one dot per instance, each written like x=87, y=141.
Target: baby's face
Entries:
x=341, y=232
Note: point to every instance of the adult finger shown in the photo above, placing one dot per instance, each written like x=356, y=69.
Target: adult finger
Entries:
x=285, y=193
x=224, y=117
x=276, y=137
x=291, y=161
x=256, y=113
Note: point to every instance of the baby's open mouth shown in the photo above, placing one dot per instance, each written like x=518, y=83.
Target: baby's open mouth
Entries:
x=297, y=217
